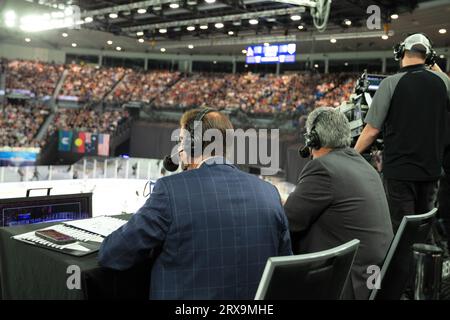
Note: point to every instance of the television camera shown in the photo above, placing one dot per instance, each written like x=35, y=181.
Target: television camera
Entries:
x=356, y=108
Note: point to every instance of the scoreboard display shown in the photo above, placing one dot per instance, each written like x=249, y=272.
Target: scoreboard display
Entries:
x=271, y=53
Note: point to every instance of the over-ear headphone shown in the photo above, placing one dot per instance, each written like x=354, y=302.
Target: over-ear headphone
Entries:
x=430, y=58
x=312, y=139
x=195, y=136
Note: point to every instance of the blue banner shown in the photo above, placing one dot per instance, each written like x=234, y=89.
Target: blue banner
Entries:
x=65, y=140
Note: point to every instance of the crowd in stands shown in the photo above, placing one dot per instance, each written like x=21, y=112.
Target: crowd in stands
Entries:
x=37, y=77
x=257, y=93
x=250, y=92
x=89, y=120
x=142, y=86
x=89, y=82
x=20, y=123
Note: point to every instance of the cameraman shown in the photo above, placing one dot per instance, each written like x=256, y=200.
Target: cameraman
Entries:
x=410, y=108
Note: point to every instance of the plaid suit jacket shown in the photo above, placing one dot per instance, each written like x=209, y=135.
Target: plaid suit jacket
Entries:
x=216, y=226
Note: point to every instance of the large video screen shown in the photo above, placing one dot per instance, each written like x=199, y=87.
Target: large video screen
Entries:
x=18, y=156
x=271, y=53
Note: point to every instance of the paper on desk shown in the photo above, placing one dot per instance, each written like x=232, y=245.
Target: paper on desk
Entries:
x=104, y=225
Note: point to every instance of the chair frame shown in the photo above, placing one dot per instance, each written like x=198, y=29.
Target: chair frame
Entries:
x=304, y=258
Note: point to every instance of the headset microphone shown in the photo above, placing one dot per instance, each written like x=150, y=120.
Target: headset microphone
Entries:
x=168, y=163
x=304, y=152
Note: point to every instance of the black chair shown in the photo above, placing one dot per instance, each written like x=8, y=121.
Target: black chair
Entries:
x=317, y=276
x=396, y=270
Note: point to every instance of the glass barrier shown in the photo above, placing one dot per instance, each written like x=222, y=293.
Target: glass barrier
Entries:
x=88, y=168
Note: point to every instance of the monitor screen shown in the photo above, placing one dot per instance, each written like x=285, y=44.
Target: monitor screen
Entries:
x=31, y=210
x=374, y=81
x=271, y=53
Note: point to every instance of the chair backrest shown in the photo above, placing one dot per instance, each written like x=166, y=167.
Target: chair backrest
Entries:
x=319, y=275
x=396, y=270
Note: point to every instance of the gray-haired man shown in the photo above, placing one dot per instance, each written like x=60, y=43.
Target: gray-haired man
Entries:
x=339, y=197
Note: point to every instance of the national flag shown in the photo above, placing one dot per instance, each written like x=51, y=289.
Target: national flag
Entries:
x=91, y=143
x=79, y=142
x=103, y=145
x=65, y=140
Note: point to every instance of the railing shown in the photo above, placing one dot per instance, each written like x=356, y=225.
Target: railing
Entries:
x=88, y=168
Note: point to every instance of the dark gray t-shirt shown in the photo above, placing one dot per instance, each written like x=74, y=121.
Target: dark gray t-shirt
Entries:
x=411, y=108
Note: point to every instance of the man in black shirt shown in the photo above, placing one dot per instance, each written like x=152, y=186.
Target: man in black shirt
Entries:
x=410, y=108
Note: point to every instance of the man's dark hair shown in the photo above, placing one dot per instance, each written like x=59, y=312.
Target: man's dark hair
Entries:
x=415, y=54
x=212, y=120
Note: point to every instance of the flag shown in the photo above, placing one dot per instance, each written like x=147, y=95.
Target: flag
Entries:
x=103, y=145
x=79, y=142
x=90, y=142
x=65, y=140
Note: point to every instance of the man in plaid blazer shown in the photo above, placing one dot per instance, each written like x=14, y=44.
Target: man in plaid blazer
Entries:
x=215, y=227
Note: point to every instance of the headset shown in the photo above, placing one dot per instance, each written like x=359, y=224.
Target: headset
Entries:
x=312, y=139
x=195, y=137
x=399, y=50
x=188, y=143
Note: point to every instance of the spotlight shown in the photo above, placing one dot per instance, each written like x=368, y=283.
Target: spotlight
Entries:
x=300, y=27
x=219, y=25
x=442, y=31
x=141, y=10
x=191, y=46
x=295, y=17
x=118, y=48
x=88, y=19
x=253, y=21
x=190, y=28
x=27, y=39
x=394, y=16
x=74, y=44
x=162, y=30
x=141, y=40
x=113, y=15
x=163, y=49
x=65, y=35
x=140, y=33
x=333, y=40
x=174, y=5
x=204, y=27
x=347, y=22
x=109, y=42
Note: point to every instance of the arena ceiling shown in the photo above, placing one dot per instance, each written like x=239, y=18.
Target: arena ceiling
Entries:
x=189, y=26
